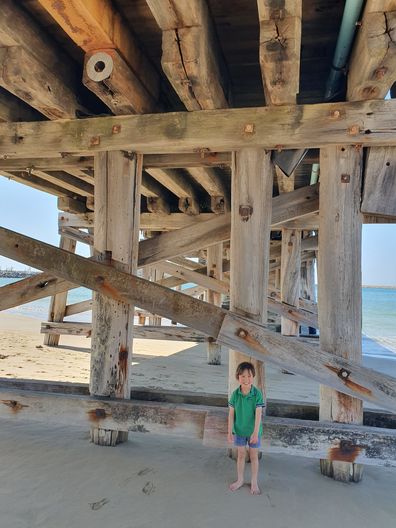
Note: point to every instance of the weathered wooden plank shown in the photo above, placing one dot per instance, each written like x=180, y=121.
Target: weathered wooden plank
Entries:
x=214, y=269
x=109, y=76
x=77, y=235
x=373, y=61
x=167, y=333
x=339, y=279
x=251, y=213
x=38, y=183
x=13, y=109
x=46, y=164
x=18, y=28
x=205, y=158
x=290, y=277
x=218, y=230
x=58, y=302
x=33, y=82
x=214, y=185
x=117, y=197
x=66, y=181
x=379, y=191
x=79, y=307
x=96, y=25
x=192, y=276
x=339, y=442
x=280, y=43
x=374, y=446
x=368, y=123
x=231, y=330
x=191, y=58
x=278, y=408
x=178, y=185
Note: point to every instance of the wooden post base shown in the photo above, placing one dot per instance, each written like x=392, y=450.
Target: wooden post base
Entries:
x=341, y=471
x=107, y=437
x=214, y=354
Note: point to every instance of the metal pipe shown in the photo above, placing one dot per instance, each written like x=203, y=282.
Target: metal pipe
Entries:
x=350, y=17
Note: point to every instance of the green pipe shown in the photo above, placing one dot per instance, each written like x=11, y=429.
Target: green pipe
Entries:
x=350, y=17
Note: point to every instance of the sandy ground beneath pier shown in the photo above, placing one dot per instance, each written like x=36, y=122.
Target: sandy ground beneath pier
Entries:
x=55, y=477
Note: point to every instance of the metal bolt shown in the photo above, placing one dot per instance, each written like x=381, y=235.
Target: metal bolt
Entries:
x=345, y=178
x=335, y=113
x=242, y=333
x=380, y=72
x=116, y=129
x=354, y=130
x=249, y=128
x=95, y=140
x=344, y=373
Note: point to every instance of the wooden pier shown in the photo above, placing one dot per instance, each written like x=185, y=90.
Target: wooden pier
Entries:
x=190, y=143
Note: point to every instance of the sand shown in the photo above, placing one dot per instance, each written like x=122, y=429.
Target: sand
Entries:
x=53, y=477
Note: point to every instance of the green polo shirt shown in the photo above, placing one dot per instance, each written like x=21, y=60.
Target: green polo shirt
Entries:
x=245, y=410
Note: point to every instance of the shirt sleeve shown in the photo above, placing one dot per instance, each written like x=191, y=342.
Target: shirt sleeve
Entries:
x=231, y=401
x=259, y=399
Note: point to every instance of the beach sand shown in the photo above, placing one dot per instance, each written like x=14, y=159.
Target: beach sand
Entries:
x=54, y=477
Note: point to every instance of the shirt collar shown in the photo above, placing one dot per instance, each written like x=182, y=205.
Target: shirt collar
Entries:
x=248, y=394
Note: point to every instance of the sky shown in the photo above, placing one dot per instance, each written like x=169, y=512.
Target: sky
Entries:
x=35, y=214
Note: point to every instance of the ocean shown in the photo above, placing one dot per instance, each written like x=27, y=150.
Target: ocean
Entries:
x=378, y=324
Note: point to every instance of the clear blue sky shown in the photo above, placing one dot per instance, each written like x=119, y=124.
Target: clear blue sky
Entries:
x=35, y=214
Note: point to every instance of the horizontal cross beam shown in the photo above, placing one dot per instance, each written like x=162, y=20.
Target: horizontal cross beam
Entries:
x=369, y=123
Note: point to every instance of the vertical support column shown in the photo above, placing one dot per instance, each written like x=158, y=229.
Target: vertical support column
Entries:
x=252, y=181
x=58, y=302
x=290, y=276
x=117, y=209
x=214, y=266
x=339, y=279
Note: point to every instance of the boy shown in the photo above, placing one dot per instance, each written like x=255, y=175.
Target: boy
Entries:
x=244, y=424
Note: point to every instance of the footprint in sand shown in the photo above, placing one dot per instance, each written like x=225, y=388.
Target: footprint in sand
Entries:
x=97, y=505
x=148, y=488
x=145, y=471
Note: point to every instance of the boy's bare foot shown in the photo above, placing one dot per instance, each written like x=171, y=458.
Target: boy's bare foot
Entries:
x=236, y=485
x=255, y=490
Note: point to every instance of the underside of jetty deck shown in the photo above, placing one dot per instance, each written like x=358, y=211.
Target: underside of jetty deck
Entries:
x=211, y=154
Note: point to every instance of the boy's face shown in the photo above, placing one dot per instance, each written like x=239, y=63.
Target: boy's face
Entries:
x=246, y=378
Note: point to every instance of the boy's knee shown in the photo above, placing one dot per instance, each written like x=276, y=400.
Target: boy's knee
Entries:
x=253, y=452
x=241, y=452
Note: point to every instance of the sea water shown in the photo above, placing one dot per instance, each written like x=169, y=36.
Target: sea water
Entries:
x=378, y=322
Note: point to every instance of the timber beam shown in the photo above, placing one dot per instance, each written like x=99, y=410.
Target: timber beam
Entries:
x=372, y=68
x=229, y=329
x=280, y=44
x=367, y=123
x=368, y=445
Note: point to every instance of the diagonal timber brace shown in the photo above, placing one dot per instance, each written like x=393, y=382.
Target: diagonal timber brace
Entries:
x=228, y=328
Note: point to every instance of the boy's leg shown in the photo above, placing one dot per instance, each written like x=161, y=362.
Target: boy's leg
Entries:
x=240, y=469
x=254, y=489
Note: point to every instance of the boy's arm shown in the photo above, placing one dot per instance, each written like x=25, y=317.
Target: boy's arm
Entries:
x=231, y=416
x=257, y=422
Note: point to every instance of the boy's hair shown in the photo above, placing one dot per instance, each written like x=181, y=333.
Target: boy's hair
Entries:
x=245, y=365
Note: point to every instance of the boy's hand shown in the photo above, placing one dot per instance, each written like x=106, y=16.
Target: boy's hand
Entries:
x=254, y=439
x=230, y=438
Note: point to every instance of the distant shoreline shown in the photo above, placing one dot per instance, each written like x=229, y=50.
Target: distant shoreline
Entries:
x=373, y=286
x=14, y=274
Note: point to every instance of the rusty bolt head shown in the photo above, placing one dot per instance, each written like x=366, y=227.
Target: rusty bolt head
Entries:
x=354, y=130
x=242, y=333
x=344, y=373
x=380, y=73
x=249, y=128
x=116, y=129
x=345, y=178
x=336, y=114
x=95, y=140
